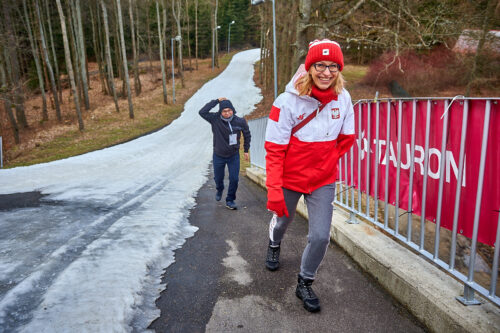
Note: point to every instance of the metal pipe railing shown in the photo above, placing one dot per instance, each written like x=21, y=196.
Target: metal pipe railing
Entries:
x=431, y=196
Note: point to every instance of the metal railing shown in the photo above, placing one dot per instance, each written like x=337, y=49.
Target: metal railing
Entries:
x=257, y=152
x=374, y=184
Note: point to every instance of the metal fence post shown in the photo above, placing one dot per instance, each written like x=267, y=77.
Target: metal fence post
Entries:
x=468, y=298
x=1, y=153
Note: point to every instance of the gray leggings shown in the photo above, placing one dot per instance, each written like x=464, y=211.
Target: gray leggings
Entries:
x=320, y=208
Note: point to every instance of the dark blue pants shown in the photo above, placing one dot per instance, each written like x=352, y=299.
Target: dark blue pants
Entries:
x=233, y=165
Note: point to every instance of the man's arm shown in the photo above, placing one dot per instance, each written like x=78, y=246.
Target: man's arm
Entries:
x=247, y=137
x=205, y=111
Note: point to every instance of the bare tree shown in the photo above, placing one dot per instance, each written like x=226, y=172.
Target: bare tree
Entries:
x=109, y=64
x=304, y=15
x=124, y=56
x=97, y=42
x=216, y=51
x=150, y=53
x=187, y=34
x=160, y=39
x=6, y=100
x=54, y=57
x=164, y=34
x=69, y=64
x=71, y=21
x=11, y=49
x=82, y=54
x=48, y=64
x=36, y=56
x=177, y=17
x=484, y=31
x=137, y=79
x=196, y=32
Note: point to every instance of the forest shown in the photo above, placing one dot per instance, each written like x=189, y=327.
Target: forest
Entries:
x=67, y=54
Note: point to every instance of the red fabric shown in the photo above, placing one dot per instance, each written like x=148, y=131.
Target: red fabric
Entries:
x=469, y=182
x=324, y=96
x=278, y=207
x=344, y=143
x=274, y=170
x=324, y=50
x=301, y=166
x=275, y=114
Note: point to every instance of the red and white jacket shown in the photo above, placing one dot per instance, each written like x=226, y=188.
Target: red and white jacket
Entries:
x=308, y=159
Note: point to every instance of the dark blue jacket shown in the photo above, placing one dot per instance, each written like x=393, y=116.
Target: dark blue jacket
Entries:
x=221, y=130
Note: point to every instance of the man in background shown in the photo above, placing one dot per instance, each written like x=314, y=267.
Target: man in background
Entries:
x=227, y=129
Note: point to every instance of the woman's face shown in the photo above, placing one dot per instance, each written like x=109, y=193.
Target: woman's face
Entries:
x=323, y=76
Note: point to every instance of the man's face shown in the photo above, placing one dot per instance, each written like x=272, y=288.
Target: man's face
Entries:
x=227, y=113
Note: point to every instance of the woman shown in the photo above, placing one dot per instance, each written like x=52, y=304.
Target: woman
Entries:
x=311, y=125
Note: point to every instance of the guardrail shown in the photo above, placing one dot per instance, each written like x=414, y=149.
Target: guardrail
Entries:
x=435, y=187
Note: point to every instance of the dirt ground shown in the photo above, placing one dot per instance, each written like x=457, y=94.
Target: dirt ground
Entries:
x=102, y=114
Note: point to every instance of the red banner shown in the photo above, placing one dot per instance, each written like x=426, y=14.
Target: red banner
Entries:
x=449, y=161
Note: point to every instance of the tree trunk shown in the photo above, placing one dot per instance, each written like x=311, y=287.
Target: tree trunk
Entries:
x=216, y=50
x=118, y=53
x=177, y=16
x=74, y=48
x=82, y=54
x=14, y=64
x=301, y=42
x=109, y=64
x=36, y=56
x=47, y=63
x=188, y=40
x=124, y=56
x=196, y=32
x=150, y=53
x=489, y=9
x=137, y=79
x=6, y=102
x=54, y=58
x=69, y=64
x=164, y=34
x=165, y=100
x=96, y=41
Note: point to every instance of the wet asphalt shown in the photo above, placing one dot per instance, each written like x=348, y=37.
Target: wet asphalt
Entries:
x=219, y=283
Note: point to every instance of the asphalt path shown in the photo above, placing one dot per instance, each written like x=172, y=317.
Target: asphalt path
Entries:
x=219, y=283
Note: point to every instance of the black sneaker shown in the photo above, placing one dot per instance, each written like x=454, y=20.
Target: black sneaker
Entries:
x=306, y=294
x=218, y=195
x=273, y=257
x=231, y=205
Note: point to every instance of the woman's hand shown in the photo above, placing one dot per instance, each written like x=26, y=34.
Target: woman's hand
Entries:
x=278, y=207
x=220, y=99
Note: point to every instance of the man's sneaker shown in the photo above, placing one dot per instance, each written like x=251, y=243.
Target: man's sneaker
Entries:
x=306, y=294
x=218, y=195
x=231, y=205
x=273, y=257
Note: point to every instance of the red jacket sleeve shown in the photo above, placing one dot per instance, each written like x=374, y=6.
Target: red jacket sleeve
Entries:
x=344, y=143
x=275, y=158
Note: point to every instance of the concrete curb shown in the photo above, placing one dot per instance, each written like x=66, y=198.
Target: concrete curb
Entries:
x=424, y=289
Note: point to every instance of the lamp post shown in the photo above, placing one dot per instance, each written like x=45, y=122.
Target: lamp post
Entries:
x=213, y=44
x=257, y=2
x=178, y=39
x=229, y=37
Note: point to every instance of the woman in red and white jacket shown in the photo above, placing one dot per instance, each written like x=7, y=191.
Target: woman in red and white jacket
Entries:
x=311, y=125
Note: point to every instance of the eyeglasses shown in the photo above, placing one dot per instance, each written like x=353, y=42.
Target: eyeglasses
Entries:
x=333, y=68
